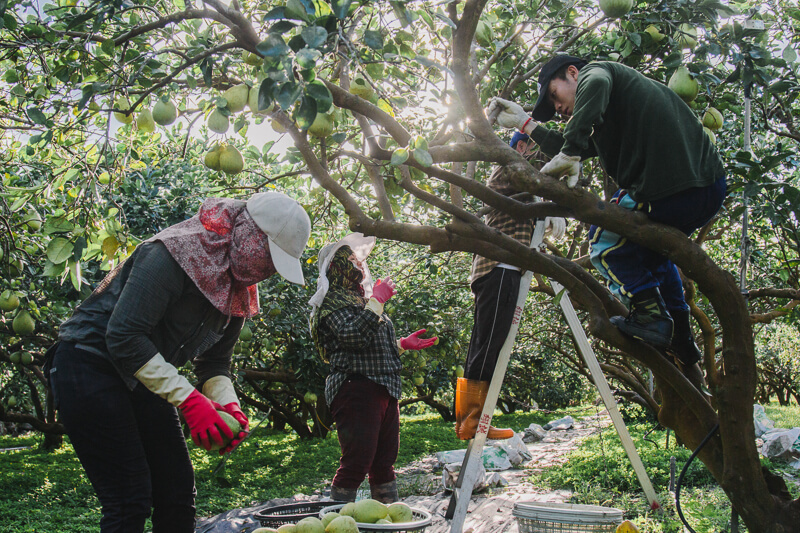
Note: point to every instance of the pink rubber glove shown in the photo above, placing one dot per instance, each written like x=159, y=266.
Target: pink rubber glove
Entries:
x=413, y=342
x=235, y=411
x=383, y=290
x=204, y=422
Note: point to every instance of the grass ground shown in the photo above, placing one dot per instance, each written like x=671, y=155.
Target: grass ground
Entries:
x=47, y=491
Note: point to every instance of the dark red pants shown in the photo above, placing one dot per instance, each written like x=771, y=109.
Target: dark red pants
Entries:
x=368, y=423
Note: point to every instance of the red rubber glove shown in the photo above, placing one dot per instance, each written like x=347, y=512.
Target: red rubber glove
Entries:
x=204, y=422
x=235, y=411
x=383, y=290
x=413, y=342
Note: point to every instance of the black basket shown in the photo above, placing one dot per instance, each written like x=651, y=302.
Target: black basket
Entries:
x=291, y=513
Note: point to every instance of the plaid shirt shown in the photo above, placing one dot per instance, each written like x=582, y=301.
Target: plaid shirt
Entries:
x=357, y=341
x=522, y=231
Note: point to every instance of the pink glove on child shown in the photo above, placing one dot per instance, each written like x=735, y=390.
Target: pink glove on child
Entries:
x=413, y=342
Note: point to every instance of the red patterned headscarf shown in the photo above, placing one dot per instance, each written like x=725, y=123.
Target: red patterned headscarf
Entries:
x=224, y=253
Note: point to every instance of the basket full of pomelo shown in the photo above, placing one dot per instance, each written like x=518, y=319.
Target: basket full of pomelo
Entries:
x=372, y=516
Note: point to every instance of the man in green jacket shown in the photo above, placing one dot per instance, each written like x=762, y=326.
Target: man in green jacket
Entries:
x=654, y=147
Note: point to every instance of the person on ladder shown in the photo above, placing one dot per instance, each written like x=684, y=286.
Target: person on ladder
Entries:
x=495, y=287
x=654, y=147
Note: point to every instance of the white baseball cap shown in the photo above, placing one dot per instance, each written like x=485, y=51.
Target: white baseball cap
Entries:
x=288, y=228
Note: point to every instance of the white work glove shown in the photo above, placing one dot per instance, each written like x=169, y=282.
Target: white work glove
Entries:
x=555, y=226
x=564, y=165
x=511, y=115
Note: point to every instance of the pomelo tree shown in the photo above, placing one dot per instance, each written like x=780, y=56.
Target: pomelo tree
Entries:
x=406, y=84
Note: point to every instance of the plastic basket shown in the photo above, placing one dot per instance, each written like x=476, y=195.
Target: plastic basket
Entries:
x=422, y=519
x=546, y=517
x=291, y=513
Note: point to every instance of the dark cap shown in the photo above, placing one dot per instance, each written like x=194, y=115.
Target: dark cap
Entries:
x=544, y=110
x=518, y=136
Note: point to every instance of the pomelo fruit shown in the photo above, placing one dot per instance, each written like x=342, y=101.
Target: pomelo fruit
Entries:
x=369, y=511
x=712, y=119
x=400, y=512
x=245, y=334
x=360, y=87
x=348, y=509
x=310, y=524
x=615, y=8
x=8, y=301
x=218, y=122
x=322, y=125
x=683, y=84
x=235, y=426
x=230, y=160
x=237, y=97
x=164, y=113
x=686, y=36
x=145, y=122
x=211, y=159
x=123, y=104
x=33, y=220
x=23, y=324
x=327, y=517
x=342, y=524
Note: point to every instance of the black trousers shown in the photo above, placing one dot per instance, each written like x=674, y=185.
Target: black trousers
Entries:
x=495, y=302
x=129, y=442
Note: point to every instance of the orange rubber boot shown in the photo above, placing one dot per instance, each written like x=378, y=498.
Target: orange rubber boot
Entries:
x=470, y=396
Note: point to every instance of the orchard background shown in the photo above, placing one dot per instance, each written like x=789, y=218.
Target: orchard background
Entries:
x=371, y=115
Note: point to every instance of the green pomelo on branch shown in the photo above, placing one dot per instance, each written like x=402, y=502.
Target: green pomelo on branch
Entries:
x=360, y=87
x=164, y=113
x=615, y=8
x=15, y=267
x=8, y=301
x=237, y=97
x=235, y=426
x=322, y=125
x=342, y=524
x=252, y=59
x=218, y=122
x=23, y=324
x=310, y=398
x=145, y=122
x=16, y=357
x=459, y=371
x=123, y=104
x=12, y=401
x=230, y=160
x=683, y=84
x=400, y=512
x=252, y=102
x=418, y=379
x=656, y=35
x=710, y=134
x=686, y=36
x=245, y=334
x=33, y=219
x=277, y=127
x=211, y=159
x=26, y=358
x=712, y=119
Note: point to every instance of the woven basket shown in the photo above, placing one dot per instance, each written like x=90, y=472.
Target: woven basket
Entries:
x=422, y=519
x=291, y=513
x=546, y=517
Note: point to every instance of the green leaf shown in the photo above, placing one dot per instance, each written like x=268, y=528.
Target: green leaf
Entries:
x=423, y=157
x=288, y=94
x=107, y=47
x=58, y=225
x=789, y=55
x=373, y=39
x=314, y=36
x=320, y=93
x=59, y=250
x=306, y=113
x=36, y=115
x=307, y=58
x=265, y=91
x=75, y=274
x=341, y=8
x=399, y=156
x=52, y=270
x=557, y=297
x=273, y=46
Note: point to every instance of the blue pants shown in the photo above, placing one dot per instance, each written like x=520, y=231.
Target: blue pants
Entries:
x=129, y=442
x=629, y=267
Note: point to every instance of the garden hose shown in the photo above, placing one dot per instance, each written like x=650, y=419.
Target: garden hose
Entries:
x=680, y=478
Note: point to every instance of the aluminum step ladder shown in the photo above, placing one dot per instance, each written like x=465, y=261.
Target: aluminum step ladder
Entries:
x=470, y=467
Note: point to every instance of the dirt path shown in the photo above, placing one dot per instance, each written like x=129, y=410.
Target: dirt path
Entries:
x=489, y=511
